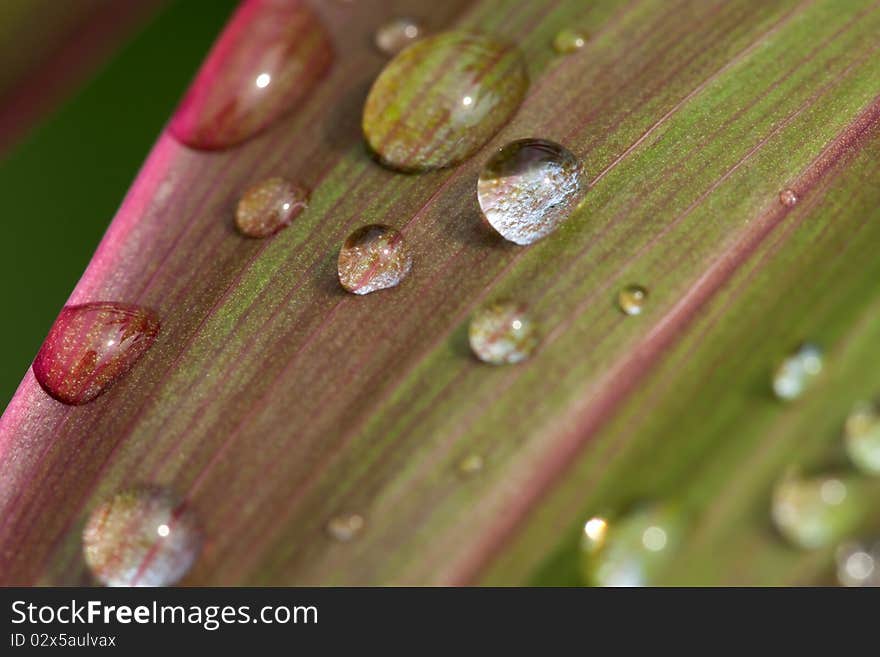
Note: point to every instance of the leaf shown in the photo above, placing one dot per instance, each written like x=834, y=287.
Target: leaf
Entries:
x=275, y=402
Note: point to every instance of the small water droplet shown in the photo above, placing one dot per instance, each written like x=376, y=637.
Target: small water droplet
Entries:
x=797, y=372
x=788, y=198
x=568, y=41
x=141, y=537
x=471, y=465
x=439, y=100
x=346, y=527
x=90, y=346
x=816, y=512
x=862, y=438
x=397, y=34
x=632, y=299
x=858, y=565
x=267, y=61
x=373, y=258
x=528, y=188
x=631, y=550
x=502, y=333
x=268, y=206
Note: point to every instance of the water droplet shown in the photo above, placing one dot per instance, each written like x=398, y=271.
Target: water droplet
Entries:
x=471, y=465
x=862, y=438
x=439, y=100
x=788, y=197
x=816, y=512
x=528, y=188
x=632, y=299
x=267, y=61
x=91, y=346
x=797, y=372
x=397, y=34
x=373, y=258
x=502, y=333
x=858, y=565
x=568, y=41
x=631, y=550
x=141, y=537
x=346, y=527
x=268, y=206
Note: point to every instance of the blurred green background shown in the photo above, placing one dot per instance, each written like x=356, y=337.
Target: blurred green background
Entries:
x=63, y=180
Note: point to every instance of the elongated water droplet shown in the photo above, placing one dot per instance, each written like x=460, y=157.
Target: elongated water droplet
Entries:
x=788, y=198
x=502, y=333
x=858, y=564
x=397, y=34
x=797, y=372
x=632, y=299
x=373, y=258
x=470, y=465
x=568, y=41
x=528, y=188
x=268, y=206
x=441, y=99
x=631, y=550
x=266, y=62
x=862, y=437
x=817, y=511
x=141, y=537
x=346, y=527
x=90, y=346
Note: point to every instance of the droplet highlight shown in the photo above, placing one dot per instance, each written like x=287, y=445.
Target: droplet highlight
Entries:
x=788, y=198
x=632, y=299
x=795, y=374
x=141, y=537
x=862, y=438
x=568, y=41
x=631, y=550
x=397, y=34
x=502, y=333
x=441, y=99
x=268, y=206
x=373, y=257
x=470, y=465
x=529, y=188
x=346, y=528
x=267, y=62
x=90, y=347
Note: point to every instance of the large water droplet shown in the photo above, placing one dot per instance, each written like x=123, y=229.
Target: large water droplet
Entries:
x=568, y=41
x=862, y=437
x=528, y=188
x=441, y=99
x=90, y=346
x=788, y=198
x=858, y=564
x=502, y=333
x=797, y=372
x=346, y=528
x=373, y=258
x=632, y=299
x=268, y=206
x=267, y=61
x=141, y=537
x=818, y=511
x=631, y=550
x=397, y=34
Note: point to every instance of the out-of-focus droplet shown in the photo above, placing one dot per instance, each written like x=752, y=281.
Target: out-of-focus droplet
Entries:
x=862, y=437
x=632, y=299
x=568, y=41
x=502, y=333
x=528, y=188
x=630, y=550
x=471, y=464
x=397, y=34
x=788, y=197
x=268, y=206
x=797, y=372
x=90, y=347
x=141, y=537
x=441, y=99
x=373, y=258
x=858, y=564
x=816, y=512
x=267, y=61
x=345, y=528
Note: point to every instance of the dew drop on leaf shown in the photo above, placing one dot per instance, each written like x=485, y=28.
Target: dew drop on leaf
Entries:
x=91, y=346
x=797, y=372
x=502, y=333
x=862, y=438
x=528, y=188
x=141, y=537
x=788, y=198
x=632, y=299
x=858, y=564
x=397, y=34
x=346, y=527
x=373, y=258
x=569, y=40
x=268, y=206
x=441, y=99
x=470, y=465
